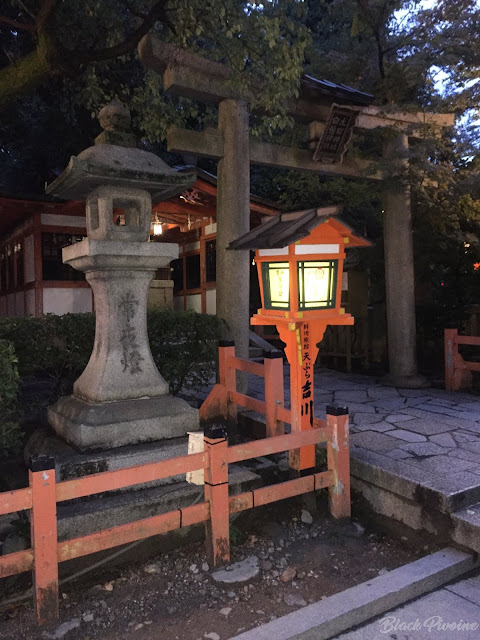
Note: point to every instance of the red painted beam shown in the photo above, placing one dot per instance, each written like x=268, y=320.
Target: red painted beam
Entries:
x=14, y=563
x=111, y=480
x=18, y=500
x=268, y=446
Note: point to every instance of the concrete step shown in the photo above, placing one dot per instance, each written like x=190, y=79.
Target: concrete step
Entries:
x=466, y=527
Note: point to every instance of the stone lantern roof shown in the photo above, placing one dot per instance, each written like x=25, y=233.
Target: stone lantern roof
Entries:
x=115, y=160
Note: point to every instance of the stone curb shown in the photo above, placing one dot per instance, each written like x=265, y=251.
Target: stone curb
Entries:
x=347, y=609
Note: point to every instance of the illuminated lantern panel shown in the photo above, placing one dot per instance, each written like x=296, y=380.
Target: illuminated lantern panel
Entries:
x=275, y=277
x=299, y=257
x=317, y=284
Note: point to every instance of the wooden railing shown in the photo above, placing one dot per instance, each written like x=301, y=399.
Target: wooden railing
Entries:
x=43, y=494
x=458, y=370
x=224, y=398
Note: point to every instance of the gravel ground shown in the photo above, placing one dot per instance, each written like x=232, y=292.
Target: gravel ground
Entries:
x=303, y=557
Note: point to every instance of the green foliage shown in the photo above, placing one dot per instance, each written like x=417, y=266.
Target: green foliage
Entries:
x=10, y=433
x=184, y=347
x=53, y=347
x=92, y=58
x=57, y=348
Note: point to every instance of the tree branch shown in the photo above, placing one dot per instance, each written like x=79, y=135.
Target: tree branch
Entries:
x=157, y=13
x=45, y=13
x=26, y=9
x=21, y=26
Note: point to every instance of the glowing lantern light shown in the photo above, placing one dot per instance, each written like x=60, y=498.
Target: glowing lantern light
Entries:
x=157, y=227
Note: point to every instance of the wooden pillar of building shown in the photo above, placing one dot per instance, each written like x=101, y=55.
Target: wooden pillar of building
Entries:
x=399, y=270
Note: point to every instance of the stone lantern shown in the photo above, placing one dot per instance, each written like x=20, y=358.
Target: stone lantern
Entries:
x=120, y=398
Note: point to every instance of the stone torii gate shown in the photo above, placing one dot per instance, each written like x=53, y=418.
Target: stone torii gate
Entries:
x=195, y=77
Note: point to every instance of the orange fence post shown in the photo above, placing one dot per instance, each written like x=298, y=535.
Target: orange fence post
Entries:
x=338, y=460
x=216, y=494
x=451, y=357
x=43, y=527
x=227, y=376
x=274, y=392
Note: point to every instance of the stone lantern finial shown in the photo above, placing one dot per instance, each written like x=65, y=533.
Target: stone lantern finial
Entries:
x=114, y=118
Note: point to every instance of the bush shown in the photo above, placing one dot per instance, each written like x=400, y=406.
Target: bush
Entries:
x=58, y=347
x=53, y=347
x=11, y=435
x=184, y=347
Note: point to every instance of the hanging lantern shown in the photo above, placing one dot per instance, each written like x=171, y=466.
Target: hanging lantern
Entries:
x=157, y=227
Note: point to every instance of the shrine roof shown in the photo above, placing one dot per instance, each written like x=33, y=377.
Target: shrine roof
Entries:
x=288, y=228
x=16, y=208
x=198, y=202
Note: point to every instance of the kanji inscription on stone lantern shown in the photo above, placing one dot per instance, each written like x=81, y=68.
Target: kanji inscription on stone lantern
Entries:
x=299, y=259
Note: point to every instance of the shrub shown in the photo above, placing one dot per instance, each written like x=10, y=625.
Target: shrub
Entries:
x=184, y=346
x=11, y=435
x=52, y=347
x=58, y=347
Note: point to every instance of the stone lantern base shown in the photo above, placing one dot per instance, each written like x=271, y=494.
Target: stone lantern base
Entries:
x=120, y=398
x=114, y=424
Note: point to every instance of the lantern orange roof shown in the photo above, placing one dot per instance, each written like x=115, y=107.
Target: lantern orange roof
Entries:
x=285, y=229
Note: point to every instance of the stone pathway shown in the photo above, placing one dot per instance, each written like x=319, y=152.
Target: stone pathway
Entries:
x=435, y=431
x=432, y=430
x=420, y=447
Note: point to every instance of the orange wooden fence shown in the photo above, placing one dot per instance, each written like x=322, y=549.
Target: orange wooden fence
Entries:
x=43, y=494
x=457, y=370
x=224, y=398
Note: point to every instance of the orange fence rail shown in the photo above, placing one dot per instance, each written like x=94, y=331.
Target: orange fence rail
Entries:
x=224, y=398
x=458, y=370
x=43, y=494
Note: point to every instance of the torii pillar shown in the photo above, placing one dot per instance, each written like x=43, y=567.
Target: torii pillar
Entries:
x=231, y=146
x=233, y=220
x=399, y=271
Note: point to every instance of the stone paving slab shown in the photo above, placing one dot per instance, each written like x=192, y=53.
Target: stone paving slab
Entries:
x=438, y=464
x=373, y=441
x=406, y=436
x=380, y=426
x=433, y=617
x=468, y=589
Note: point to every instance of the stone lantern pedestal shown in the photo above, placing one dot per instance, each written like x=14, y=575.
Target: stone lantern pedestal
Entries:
x=120, y=398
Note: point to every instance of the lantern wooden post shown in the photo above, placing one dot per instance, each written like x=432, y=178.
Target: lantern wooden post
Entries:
x=301, y=341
